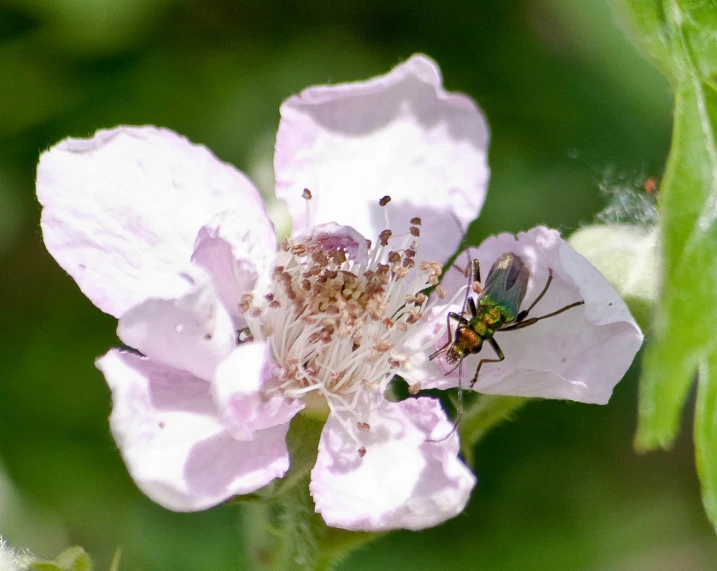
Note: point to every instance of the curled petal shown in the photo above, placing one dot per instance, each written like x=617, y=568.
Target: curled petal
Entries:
x=403, y=480
x=580, y=354
x=241, y=393
x=400, y=134
x=193, y=332
x=121, y=210
x=173, y=441
x=234, y=254
x=331, y=236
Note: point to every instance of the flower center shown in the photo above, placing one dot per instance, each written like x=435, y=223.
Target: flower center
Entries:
x=338, y=313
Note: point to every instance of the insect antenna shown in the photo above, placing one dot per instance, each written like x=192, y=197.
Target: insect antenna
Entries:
x=467, y=273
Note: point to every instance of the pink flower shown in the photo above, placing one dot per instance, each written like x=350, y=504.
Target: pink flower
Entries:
x=233, y=338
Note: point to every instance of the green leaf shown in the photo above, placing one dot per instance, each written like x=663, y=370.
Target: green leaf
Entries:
x=72, y=559
x=681, y=38
x=684, y=324
x=706, y=434
x=645, y=22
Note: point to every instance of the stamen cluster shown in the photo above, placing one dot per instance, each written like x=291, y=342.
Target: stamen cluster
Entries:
x=337, y=322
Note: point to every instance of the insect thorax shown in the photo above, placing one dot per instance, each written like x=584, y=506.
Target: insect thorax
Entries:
x=490, y=318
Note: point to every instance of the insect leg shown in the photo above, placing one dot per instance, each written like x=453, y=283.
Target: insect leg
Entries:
x=534, y=320
x=498, y=352
x=475, y=270
x=471, y=307
x=523, y=314
x=460, y=319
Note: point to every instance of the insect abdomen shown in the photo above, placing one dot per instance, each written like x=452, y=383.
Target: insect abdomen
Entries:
x=465, y=343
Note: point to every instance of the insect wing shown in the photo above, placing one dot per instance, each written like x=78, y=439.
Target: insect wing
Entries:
x=507, y=283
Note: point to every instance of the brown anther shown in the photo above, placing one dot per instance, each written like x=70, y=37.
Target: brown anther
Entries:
x=285, y=245
x=381, y=346
x=420, y=298
x=476, y=287
x=245, y=302
x=384, y=236
x=416, y=221
x=410, y=298
x=274, y=304
x=402, y=326
x=306, y=195
x=299, y=250
x=400, y=272
x=256, y=312
x=363, y=426
x=207, y=336
x=441, y=292
x=415, y=231
x=394, y=257
x=409, y=253
x=384, y=201
x=269, y=296
x=388, y=322
x=414, y=317
x=375, y=309
x=414, y=389
x=362, y=451
x=408, y=263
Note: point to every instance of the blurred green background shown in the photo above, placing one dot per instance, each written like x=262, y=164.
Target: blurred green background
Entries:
x=572, y=107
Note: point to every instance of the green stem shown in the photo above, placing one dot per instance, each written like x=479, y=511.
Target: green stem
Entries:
x=489, y=411
x=301, y=530
x=287, y=534
x=261, y=541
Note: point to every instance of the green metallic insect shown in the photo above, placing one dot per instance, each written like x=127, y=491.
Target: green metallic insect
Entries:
x=497, y=308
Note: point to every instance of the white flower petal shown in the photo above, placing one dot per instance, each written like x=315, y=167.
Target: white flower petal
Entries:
x=418, y=369
x=400, y=134
x=403, y=481
x=174, y=442
x=234, y=253
x=238, y=385
x=577, y=355
x=121, y=210
x=193, y=332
